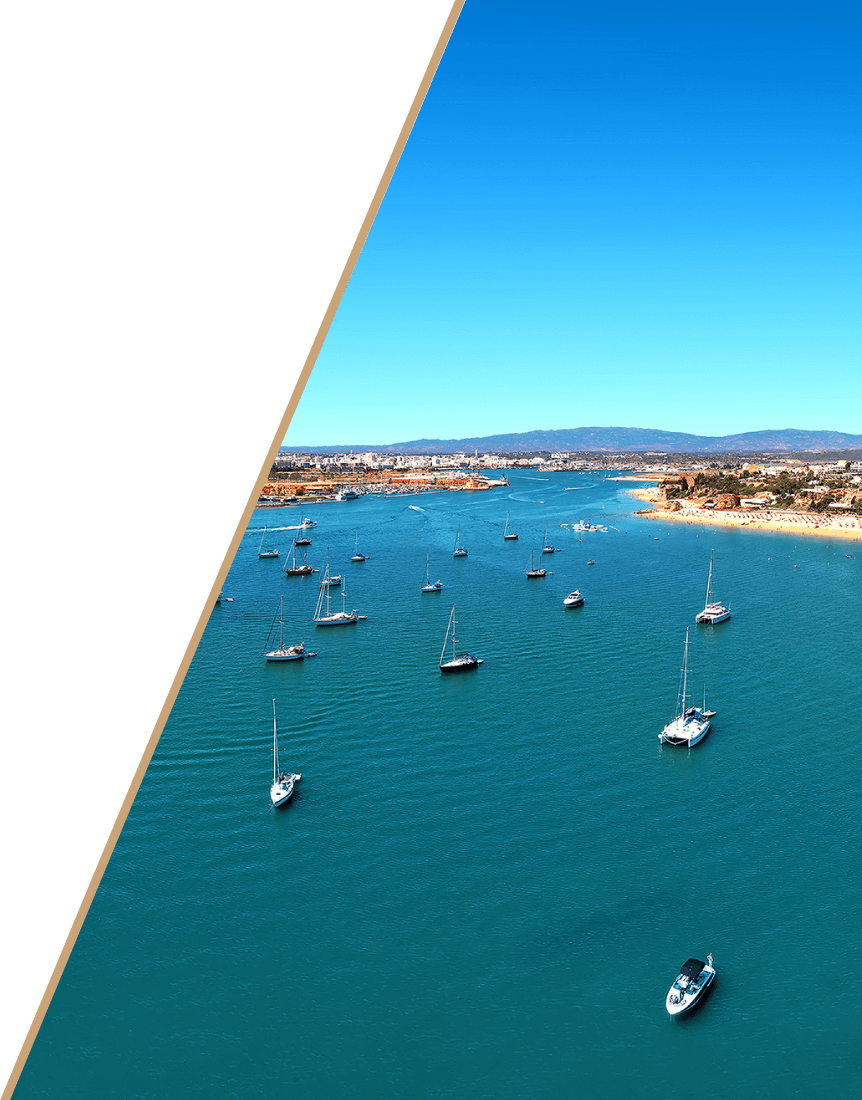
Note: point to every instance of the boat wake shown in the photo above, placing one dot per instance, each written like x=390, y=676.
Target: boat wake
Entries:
x=415, y=507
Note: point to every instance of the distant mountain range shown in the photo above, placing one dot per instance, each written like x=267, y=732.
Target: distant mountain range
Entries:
x=619, y=440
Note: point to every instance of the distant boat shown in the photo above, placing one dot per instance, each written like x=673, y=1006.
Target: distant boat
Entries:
x=714, y=611
x=533, y=572
x=690, y=724
x=574, y=599
x=308, y=523
x=283, y=652
x=459, y=551
x=356, y=555
x=331, y=580
x=690, y=985
x=547, y=548
x=459, y=662
x=507, y=534
x=323, y=613
x=283, y=783
x=346, y=494
x=267, y=553
x=428, y=586
x=295, y=570
x=591, y=562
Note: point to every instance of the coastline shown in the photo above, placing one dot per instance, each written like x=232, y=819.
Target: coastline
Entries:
x=842, y=527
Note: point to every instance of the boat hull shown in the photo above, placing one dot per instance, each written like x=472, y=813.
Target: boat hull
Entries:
x=461, y=664
x=712, y=618
x=687, y=733
x=337, y=620
x=687, y=1001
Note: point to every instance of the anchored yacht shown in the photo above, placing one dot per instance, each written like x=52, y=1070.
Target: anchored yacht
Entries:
x=690, y=985
x=714, y=610
x=690, y=724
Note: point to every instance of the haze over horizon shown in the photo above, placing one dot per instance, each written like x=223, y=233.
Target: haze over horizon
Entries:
x=613, y=215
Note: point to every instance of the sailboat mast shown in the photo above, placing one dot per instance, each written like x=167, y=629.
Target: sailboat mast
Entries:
x=274, y=746
x=281, y=621
x=709, y=580
x=446, y=639
x=685, y=674
x=262, y=537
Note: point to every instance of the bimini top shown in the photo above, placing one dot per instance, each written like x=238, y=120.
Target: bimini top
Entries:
x=692, y=969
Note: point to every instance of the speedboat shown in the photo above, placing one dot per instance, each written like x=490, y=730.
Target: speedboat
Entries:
x=574, y=599
x=691, y=983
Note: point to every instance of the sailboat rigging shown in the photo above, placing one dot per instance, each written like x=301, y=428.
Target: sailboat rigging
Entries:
x=283, y=783
x=459, y=662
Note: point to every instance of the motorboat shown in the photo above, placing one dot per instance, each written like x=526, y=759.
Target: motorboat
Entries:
x=459, y=662
x=690, y=984
x=574, y=599
x=283, y=783
x=307, y=523
x=690, y=724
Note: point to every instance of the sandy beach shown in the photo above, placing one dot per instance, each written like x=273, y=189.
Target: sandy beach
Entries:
x=843, y=526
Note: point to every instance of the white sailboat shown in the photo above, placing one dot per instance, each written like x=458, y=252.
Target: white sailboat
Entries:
x=690, y=724
x=269, y=552
x=459, y=551
x=459, y=662
x=507, y=534
x=331, y=580
x=356, y=555
x=283, y=783
x=428, y=586
x=323, y=613
x=714, y=611
x=533, y=572
x=281, y=652
x=547, y=548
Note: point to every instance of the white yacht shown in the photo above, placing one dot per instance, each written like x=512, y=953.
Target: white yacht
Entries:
x=689, y=724
x=308, y=523
x=459, y=662
x=459, y=551
x=283, y=783
x=507, y=534
x=574, y=599
x=690, y=985
x=714, y=610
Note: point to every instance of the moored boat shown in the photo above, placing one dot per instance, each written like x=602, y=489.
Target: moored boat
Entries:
x=714, y=611
x=690, y=984
x=533, y=573
x=459, y=551
x=264, y=551
x=459, y=662
x=283, y=783
x=437, y=586
x=574, y=599
x=281, y=652
x=690, y=724
x=507, y=534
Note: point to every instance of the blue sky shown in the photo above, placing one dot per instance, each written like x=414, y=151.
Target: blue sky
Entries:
x=632, y=213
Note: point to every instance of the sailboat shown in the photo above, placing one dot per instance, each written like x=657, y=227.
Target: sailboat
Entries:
x=268, y=552
x=283, y=652
x=533, y=572
x=507, y=534
x=460, y=662
x=689, y=724
x=714, y=611
x=282, y=782
x=356, y=555
x=330, y=579
x=459, y=551
x=324, y=603
x=295, y=570
x=547, y=548
x=428, y=586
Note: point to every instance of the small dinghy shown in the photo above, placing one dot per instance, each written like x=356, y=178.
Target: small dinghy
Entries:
x=690, y=985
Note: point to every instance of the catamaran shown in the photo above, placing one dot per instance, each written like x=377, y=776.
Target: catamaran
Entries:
x=428, y=586
x=283, y=783
x=689, y=724
x=282, y=652
x=459, y=551
x=714, y=610
x=507, y=534
x=269, y=552
x=460, y=662
x=690, y=985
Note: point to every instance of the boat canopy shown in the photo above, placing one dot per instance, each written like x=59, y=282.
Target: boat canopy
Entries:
x=692, y=969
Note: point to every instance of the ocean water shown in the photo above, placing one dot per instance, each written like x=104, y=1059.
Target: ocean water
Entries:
x=487, y=882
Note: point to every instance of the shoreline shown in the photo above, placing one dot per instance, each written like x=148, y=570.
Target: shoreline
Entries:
x=841, y=527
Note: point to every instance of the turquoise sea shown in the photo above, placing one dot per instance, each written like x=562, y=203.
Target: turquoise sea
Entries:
x=487, y=882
